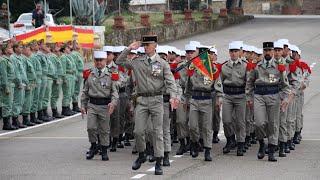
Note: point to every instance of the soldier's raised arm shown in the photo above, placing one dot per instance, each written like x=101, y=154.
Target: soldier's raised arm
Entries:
x=123, y=60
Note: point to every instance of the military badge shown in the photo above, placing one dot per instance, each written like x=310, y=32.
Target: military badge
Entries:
x=206, y=80
x=272, y=78
x=156, y=69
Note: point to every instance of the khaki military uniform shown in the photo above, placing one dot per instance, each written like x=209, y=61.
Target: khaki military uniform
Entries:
x=199, y=90
x=153, y=76
x=264, y=84
x=233, y=77
x=98, y=92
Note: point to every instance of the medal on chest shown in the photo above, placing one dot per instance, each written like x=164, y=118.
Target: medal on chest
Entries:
x=272, y=78
x=156, y=69
x=206, y=80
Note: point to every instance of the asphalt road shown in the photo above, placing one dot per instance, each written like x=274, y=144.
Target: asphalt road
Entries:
x=57, y=150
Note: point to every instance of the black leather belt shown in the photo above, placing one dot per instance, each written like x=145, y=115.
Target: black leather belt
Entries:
x=99, y=101
x=122, y=90
x=166, y=98
x=149, y=94
x=266, y=89
x=201, y=95
x=233, y=90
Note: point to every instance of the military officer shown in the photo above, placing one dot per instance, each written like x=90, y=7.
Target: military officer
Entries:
x=8, y=77
x=264, y=83
x=21, y=82
x=32, y=77
x=153, y=75
x=79, y=62
x=98, y=100
x=233, y=77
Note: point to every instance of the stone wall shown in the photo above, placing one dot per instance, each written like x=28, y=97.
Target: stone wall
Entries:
x=217, y=5
x=311, y=7
x=151, y=7
x=173, y=32
x=255, y=6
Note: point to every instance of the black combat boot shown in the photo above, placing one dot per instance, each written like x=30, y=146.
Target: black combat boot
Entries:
x=227, y=147
x=291, y=145
x=46, y=115
x=295, y=139
x=286, y=149
x=56, y=114
x=157, y=169
x=42, y=117
x=34, y=120
x=233, y=142
x=182, y=148
x=215, y=138
x=194, y=149
x=207, y=155
x=16, y=122
x=271, y=153
x=92, y=151
x=299, y=135
x=188, y=144
x=281, y=149
x=248, y=141
x=114, y=145
x=240, y=149
x=75, y=107
x=66, y=111
x=253, y=138
x=127, y=140
x=120, y=144
x=200, y=147
x=261, y=152
x=141, y=159
x=151, y=157
x=166, y=160
x=26, y=121
x=7, y=124
x=104, y=153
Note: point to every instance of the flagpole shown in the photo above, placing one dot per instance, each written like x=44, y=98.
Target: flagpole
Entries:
x=8, y=8
x=70, y=5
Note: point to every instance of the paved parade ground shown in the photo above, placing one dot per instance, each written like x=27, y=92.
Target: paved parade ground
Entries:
x=57, y=150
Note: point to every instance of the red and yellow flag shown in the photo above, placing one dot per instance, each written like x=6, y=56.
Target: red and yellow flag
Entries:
x=85, y=37
x=36, y=34
x=61, y=33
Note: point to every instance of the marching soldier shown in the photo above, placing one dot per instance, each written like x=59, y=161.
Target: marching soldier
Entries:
x=233, y=77
x=32, y=77
x=98, y=100
x=8, y=76
x=153, y=75
x=264, y=83
x=200, y=88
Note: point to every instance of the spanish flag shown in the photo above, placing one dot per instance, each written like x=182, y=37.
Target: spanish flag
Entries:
x=36, y=34
x=61, y=33
x=85, y=37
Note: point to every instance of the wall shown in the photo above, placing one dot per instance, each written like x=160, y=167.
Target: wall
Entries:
x=173, y=32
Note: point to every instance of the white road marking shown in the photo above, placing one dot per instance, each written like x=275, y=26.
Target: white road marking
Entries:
x=138, y=176
x=171, y=161
x=151, y=169
x=177, y=156
x=310, y=139
x=44, y=124
x=35, y=137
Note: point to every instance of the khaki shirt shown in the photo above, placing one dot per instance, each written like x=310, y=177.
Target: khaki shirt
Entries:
x=152, y=77
x=234, y=73
x=100, y=87
x=263, y=75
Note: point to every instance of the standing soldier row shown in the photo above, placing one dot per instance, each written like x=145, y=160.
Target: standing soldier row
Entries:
x=31, y=79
